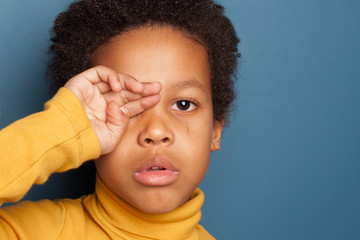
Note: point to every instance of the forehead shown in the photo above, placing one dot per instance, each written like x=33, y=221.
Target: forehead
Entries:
x=156, y=53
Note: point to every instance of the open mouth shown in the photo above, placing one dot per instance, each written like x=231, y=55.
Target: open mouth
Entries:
x=156, y=171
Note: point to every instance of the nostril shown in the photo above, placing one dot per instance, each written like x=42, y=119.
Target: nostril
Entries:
x=148, y=140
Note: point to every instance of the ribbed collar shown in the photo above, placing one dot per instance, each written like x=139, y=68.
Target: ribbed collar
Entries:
x=117, y=216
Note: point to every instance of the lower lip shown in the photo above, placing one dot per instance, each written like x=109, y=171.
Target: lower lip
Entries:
x=156, y=178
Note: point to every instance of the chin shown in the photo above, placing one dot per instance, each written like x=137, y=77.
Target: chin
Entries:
x=156, y=203
x=158, y=207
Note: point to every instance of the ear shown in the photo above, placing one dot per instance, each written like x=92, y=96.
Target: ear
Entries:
x=216, y=136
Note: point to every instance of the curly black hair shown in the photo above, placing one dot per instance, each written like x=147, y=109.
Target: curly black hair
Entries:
x=89, y=24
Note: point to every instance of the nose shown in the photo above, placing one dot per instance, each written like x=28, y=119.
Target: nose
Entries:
x=155, y=130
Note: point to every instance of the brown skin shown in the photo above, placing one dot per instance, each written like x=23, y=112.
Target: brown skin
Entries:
x=184, y=136
x=96, y=89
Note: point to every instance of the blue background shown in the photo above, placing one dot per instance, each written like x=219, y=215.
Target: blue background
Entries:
x=289, y=167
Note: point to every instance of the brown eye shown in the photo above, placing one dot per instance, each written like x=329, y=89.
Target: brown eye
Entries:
x=184, y=105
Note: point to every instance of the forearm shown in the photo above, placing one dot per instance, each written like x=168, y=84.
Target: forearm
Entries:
x=54, y=140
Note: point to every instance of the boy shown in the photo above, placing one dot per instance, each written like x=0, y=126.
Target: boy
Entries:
x=150, y=96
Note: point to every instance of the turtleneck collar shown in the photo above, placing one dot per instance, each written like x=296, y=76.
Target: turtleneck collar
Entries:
x=117, y=216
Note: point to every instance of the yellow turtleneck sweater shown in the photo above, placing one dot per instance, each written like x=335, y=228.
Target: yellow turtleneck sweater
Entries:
x=58, y=139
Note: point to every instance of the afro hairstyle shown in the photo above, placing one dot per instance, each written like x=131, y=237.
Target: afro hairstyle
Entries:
x=88, y=24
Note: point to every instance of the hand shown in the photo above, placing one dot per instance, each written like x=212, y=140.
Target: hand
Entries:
x=110, y=99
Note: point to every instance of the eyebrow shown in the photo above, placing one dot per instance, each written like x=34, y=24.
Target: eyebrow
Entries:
x=190, y=83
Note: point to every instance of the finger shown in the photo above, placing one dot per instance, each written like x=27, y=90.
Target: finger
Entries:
x=136, y=107
x=115, y=118
x=103, y=87
x=117, y=81
x=100, y=74
x=128, y=82
x=112, y=85
x=122, y=97
x=116, y=123
x=151, y=88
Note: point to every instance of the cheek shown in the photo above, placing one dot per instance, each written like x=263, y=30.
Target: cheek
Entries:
x=116, y=161
x=200, y=131
x=197, y=139
x=124, y=147
x=106, y=165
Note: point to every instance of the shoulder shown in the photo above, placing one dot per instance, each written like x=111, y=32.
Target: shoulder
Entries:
x=45, y=219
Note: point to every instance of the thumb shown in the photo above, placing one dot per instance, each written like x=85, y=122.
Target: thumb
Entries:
x=116, y=122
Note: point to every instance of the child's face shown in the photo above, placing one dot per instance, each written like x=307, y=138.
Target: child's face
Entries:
x=164, y=153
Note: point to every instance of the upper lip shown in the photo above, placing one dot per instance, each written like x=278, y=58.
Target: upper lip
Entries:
x=157, y=161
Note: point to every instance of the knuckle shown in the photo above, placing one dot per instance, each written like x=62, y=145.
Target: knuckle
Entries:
x=124, y=97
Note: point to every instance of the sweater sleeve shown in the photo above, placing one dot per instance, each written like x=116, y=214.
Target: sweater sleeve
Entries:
x=54, y=140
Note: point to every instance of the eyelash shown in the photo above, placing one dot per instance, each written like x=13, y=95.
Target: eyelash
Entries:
x=191, y=102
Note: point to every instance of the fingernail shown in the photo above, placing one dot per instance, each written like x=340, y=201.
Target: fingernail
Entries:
x=124, y=111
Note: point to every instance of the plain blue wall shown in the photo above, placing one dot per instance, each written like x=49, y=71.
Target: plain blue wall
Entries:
x=289, y=167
